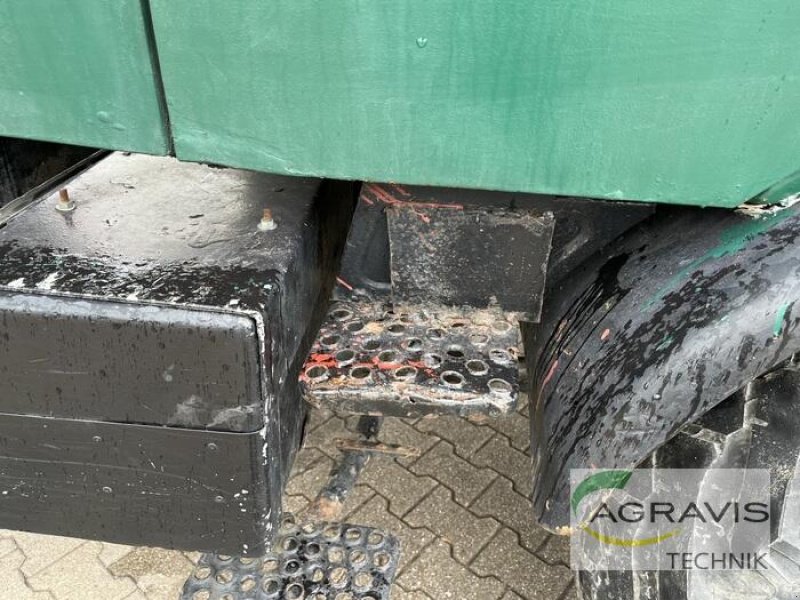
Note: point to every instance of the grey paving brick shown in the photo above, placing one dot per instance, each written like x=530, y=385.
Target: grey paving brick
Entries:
x=511, y=595
x=80, y=575
x=307, y=483
x=466, y=437
x=399, y=593
x=401, y=431
x=111, y=553
x=502, y=502
x=516, y=428
x=571, y=592
x=439, y=575
x=41, y=550
x=13, y=582
x=323, y=437
x=193, y=557
x=516, y=465
x=357, y=497
x=521, y=570
x=375, y=513
x=462, y=477
x=461, y=529
x=157, y=572
x=394, y=482
x=305, y=459
x=317, y=417
x=524, y=405
x=295, y=504
x=555, y=550
x=7, y=546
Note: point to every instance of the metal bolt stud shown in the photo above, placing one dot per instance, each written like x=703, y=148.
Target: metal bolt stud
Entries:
x=65, y=203
x=267, y=223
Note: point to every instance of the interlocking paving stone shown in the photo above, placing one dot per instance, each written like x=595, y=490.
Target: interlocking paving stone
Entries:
x=295, y=504
x=312, y=479
x=498, y=454
x=401, y=431
x=501, y=502
x=516, y=427
x=355, y=500
x=461, y=529
x=193, y=557
x=111, y=553
x=156, y=571
x=522, y=571
x=465, y=436
x=375, y=513
x=13, y=582
x=7, y=545
x=439, y=575
x=323, y=437
x=80, y=575
x=305, y=459
x=555, y=550
x=41, y=550
x=317, y=417
x=462, y=477
x=526, y=412
x=400, y=486
x=399, y=593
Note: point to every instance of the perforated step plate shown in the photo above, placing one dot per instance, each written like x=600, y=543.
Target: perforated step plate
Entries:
x=371, y=358
x=311, y=561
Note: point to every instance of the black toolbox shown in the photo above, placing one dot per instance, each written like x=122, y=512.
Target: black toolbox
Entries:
x=153, y=321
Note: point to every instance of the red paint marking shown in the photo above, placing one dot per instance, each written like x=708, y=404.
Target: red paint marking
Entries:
x=550, y=374
x=606, y=333
x=402, y=190
x=317, y=358
x=367, y=200
x=387, y=198
x=418, y=364
x=344, y=284
x=385, y=366
x=382, y=195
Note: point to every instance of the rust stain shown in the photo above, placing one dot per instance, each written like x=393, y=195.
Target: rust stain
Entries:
x=324, y=509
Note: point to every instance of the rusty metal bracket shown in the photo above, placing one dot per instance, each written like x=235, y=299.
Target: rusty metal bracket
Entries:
x=328, y=504
x=372, y=447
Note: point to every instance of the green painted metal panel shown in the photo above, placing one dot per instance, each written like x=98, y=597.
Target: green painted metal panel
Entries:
x=79, y=73
x=691, y=101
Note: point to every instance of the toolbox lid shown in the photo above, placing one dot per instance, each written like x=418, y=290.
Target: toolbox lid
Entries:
x=154, y=298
